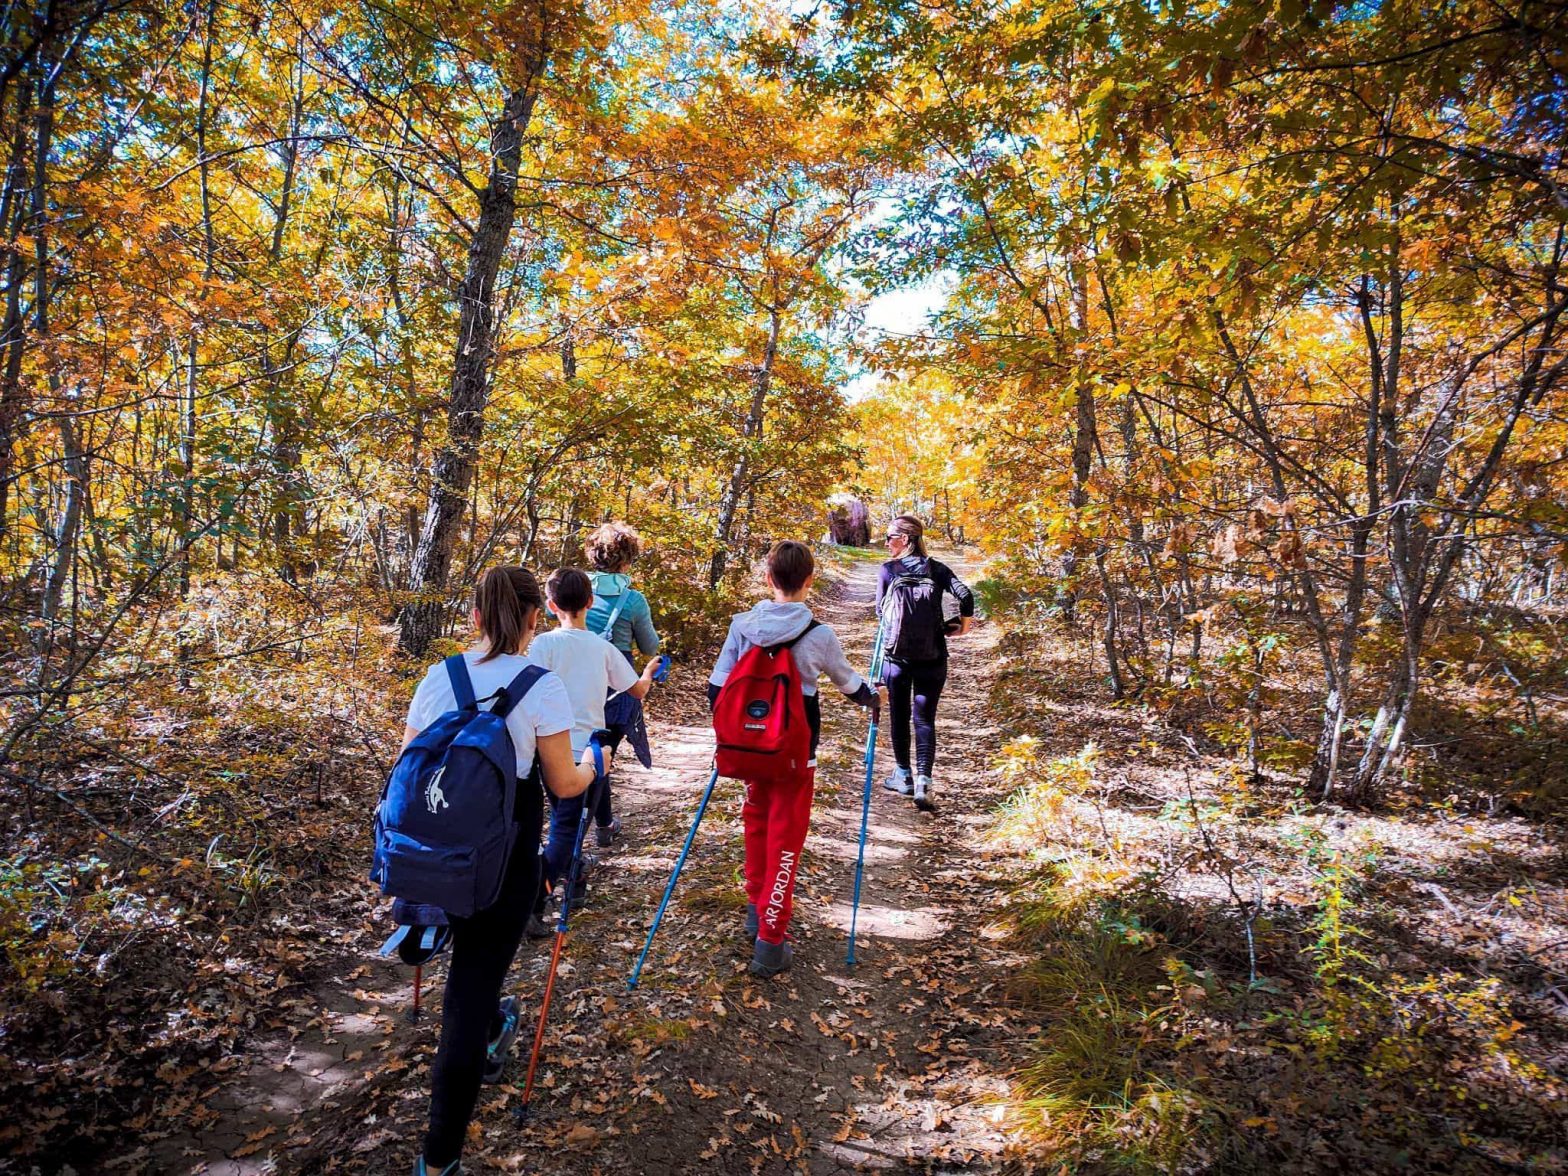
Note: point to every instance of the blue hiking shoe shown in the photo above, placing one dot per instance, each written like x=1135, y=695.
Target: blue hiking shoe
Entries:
x=498, y=1049
x=421, y=1168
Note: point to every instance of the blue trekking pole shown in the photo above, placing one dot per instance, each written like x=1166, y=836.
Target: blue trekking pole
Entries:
x=674, y=877
x=562, y=924
x=865, y=803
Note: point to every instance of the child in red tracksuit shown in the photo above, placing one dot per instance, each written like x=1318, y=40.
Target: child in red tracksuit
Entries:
x=776, y=814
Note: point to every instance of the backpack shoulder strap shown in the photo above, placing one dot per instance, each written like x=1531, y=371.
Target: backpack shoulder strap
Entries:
x=462, y=684
x=790, y=644
x=513, y=692
x=608, y=632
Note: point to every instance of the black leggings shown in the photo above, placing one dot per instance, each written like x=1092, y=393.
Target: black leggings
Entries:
x=482, y=949
x=915, y=687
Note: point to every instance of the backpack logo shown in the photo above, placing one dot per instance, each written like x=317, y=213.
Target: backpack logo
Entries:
x=435, y=799
x=759, y=708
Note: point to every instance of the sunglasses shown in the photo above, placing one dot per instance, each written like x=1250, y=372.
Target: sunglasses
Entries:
x=895, y=535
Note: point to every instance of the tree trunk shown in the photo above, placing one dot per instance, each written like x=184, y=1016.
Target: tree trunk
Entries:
x=1083, y=439
x=287, y=434
x=729, y=504
x=453, y=468
x=191, y=399
x=70, y=522
x=1337, y=691
x=16, y=209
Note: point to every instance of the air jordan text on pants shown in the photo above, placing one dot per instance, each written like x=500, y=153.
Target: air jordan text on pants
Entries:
x=775, y=815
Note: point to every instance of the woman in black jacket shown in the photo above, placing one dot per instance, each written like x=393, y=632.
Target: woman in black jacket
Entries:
x=910, y=592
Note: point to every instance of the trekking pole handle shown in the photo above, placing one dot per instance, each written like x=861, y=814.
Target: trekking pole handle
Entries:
x=596, y=744
x=662, y=674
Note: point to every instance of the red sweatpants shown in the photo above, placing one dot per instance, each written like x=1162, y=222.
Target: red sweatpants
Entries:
x=776, y=816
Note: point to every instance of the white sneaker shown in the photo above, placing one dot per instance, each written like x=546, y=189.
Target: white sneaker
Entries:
x=899, y=782
x=923, y=791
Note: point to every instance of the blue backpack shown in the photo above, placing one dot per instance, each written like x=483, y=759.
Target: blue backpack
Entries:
x=447, y=822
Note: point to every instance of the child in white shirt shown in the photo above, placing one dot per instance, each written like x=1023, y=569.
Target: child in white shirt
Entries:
x=590, y=668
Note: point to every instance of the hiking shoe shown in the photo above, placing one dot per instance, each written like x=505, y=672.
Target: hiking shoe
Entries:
x=455, y=1168
x=609, y=834
x=541, y=923
x=538, y=927
x=899, y=782
x=580, y=883
x=751, y=920
x=923, y=791
x=769, y=959
x=496, y=1051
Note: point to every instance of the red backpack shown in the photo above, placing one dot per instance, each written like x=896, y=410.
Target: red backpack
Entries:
x=760, y=716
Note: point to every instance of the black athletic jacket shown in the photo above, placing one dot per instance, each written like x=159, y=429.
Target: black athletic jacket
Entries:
x=941, y=575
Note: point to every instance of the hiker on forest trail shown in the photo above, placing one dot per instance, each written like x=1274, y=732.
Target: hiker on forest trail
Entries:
x=777, y=810
x=910, y=593
x=592, y=670
x=620, y=614
x=477, y=1027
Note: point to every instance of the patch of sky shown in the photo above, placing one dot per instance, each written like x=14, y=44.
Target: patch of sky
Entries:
x=905, y=312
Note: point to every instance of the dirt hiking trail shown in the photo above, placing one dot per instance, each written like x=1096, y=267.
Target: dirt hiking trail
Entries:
x=895, y=1064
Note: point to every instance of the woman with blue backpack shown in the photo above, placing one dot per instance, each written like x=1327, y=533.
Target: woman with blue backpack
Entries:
x=477, y=1027
x=911, y=590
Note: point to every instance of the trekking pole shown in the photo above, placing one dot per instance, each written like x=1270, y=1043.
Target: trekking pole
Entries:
x=562, y=924
x=865, y=802
x=675, y=874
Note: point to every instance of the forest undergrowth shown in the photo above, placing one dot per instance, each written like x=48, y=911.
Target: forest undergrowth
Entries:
x=1214, y=970
x=1235, y=977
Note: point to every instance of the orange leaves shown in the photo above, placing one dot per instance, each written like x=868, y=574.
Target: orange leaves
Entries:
x=1269, y=528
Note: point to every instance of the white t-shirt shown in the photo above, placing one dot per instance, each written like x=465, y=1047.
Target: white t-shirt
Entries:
x=591, y=667
x=544, y=710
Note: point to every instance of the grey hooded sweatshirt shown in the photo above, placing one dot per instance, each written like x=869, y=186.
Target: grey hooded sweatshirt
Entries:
x=772, y=623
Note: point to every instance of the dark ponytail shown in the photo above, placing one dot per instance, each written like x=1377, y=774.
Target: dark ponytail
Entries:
x=504, y=598
x=913, y=530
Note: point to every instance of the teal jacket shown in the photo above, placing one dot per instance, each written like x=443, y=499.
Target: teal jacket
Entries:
x=635, y=619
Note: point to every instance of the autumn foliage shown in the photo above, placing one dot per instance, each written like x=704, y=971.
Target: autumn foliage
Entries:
x=1248, y=381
